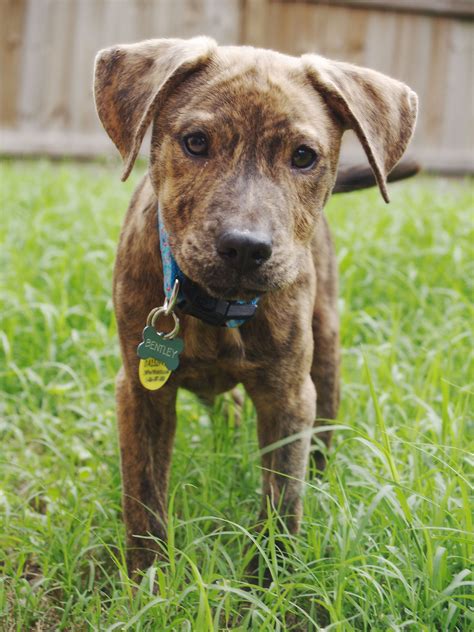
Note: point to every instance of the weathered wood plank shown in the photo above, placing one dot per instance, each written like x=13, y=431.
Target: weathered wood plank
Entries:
x=12, y=15
x=57, y=143
x=449, y=8
x=34, y=68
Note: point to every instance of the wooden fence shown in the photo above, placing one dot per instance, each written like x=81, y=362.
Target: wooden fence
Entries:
x=47, y=49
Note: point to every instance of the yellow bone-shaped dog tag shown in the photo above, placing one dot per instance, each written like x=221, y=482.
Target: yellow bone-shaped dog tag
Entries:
x=152, y=373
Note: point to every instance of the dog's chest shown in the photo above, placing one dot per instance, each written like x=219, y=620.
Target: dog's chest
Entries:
x=214, y=359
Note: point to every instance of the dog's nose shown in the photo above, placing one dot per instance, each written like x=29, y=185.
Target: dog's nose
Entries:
x=244, y=250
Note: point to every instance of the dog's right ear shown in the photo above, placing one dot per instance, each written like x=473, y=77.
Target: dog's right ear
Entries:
x=131, y=81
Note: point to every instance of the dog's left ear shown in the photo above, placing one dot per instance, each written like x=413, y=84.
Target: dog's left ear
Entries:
x=132, y=80
x=381, y=110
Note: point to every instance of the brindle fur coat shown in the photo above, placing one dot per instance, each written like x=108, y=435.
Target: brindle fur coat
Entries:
x=255, y=107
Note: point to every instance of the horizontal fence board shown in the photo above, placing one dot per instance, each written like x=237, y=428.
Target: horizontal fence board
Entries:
x=57, y=143
x=449, y=8
x=78, y=145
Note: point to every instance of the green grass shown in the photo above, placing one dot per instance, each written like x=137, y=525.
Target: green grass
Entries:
x=387, y=533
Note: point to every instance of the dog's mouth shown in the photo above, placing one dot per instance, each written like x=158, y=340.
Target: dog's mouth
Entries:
x=235, y=292
x=237, y=287
x=229, y=287
x=220, y=282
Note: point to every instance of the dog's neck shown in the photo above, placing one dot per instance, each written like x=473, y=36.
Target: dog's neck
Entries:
x=192, y=299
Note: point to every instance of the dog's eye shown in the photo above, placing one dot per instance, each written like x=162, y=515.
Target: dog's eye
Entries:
x=196, y=144
x=303, y=157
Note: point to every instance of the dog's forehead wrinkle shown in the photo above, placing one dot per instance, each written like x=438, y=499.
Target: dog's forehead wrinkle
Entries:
x=310, y=133
x=195, y=117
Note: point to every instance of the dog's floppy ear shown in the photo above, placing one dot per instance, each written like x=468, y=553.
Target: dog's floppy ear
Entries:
x=381, y=110
x=131, y=80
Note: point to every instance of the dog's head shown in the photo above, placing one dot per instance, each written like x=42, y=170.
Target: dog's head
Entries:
x=245, y=146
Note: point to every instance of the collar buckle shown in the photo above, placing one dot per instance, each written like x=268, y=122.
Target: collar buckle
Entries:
x=213, y=311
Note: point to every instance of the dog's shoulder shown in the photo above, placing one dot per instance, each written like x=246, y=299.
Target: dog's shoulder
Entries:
x=138, y=263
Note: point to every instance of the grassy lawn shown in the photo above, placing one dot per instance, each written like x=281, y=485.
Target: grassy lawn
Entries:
x=386, y=537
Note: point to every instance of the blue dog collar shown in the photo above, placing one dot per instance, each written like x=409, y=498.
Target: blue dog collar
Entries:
x=193, y=300
x=171, y=270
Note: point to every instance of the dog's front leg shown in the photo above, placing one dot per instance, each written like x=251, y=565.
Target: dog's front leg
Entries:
x=147, y=423
x=286, y=410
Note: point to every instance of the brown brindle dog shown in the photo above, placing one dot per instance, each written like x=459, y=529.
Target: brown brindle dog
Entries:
x=244, y=155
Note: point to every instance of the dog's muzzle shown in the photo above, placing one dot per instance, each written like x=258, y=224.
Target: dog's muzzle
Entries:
x=244, y=249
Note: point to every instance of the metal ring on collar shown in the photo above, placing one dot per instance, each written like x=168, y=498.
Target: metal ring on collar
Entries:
x=170, y=302
x=157, y=313
x=151, y=314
